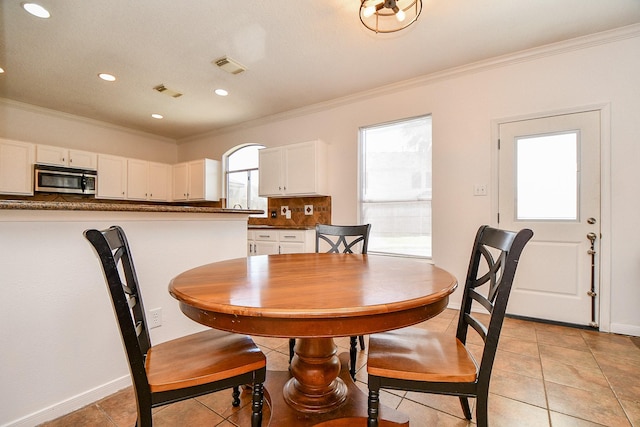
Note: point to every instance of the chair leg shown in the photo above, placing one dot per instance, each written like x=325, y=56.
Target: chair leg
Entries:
x=361, y=338
x=464, y=402
x=292, y=344
x=236, y=396
x=372, y=409
x=482, y=419
x=353, y=348
x=256, y=405
x=144, y=415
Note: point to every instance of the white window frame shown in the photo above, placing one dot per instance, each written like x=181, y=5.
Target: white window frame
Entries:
x=226, y=156
x=374, y=236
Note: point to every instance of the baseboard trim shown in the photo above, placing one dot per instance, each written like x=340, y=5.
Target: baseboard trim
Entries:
x=552, y=322
x=73, y=403
x=623, y=329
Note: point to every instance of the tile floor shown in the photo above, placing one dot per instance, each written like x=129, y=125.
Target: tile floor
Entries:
x=544, y=375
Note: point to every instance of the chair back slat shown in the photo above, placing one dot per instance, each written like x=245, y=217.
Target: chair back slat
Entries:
x=117, y=264
x=493, y=261
x=342, y=238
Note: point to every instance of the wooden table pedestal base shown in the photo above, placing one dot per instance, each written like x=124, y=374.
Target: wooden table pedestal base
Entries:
x=352, y=413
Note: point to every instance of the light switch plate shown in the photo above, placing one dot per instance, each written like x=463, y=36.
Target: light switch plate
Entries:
x=308, y=209
x=284, y=210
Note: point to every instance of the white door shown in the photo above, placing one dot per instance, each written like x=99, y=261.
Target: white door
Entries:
x=549, y=181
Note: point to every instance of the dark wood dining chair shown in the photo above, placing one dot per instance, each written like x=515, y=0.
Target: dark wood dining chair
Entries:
x=419, y=360
x=341, y=239
x=182, y=368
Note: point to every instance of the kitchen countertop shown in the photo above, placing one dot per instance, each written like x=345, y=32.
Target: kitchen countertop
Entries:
x=122, y=207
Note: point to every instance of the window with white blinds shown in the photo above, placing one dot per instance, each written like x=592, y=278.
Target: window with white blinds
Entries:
x=395, y=186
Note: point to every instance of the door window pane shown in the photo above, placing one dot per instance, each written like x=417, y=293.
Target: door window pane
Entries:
x=547, y=177
x=395, y=191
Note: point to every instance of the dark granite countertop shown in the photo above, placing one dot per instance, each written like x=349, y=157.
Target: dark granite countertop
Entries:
x=121, y=207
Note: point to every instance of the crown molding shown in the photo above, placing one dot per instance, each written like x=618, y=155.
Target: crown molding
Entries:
x=575, y=44
x=80, y=119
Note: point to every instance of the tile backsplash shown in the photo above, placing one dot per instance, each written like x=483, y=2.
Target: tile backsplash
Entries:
x=320, y=212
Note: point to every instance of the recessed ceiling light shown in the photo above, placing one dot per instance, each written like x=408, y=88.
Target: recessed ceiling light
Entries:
x=1, y=70
x=36, y=10
x=157, y=116
x=221, y=92
x=107, y=77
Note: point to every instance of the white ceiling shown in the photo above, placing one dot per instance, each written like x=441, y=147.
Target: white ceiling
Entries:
x=297, y=52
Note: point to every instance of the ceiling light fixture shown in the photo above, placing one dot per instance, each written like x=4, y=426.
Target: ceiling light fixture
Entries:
x=107, y=77
x=157, y=116
x=36, y=10
x=221, y=92
x=1, y=70
x=389, y=16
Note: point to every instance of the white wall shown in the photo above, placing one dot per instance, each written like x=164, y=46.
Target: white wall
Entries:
x=27, y=123
x=61, y=348
x=465, y=104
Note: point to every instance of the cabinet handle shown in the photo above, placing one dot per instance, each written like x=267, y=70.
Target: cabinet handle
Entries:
x=264, y=236
x=289, y=237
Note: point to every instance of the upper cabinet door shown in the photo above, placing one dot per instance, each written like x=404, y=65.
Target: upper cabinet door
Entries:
x=137, y=179
x=294, y=170
x=16, y=167
x=306, y=168
x=197, y=180
x=270, y=162
x=60, y=156
x=112, y=177
x=49, y=155
x=159, y=184
x=83, y=159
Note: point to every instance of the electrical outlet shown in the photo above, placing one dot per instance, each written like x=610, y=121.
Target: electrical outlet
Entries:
x=480, y=190
x=308, y=209
x=284, y=210
x=155, y=318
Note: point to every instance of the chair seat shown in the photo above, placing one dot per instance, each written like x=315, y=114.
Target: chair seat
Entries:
x=201, y=358
x=419, y=355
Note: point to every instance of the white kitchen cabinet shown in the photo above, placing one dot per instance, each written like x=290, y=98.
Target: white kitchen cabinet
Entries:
x=59, y=156
x=148, y=180
x=16, y=167
x=197, y=180
x=263, y=242
x=112, y=177
x=294, y=170
x=280, y=241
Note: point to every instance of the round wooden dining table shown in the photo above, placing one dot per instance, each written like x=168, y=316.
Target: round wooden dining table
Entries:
x=314, y=298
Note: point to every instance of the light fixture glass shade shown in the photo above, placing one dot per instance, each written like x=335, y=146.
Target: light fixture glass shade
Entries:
x=389, y=16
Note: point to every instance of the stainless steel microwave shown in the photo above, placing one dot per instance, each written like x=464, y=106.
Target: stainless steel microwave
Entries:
x=57, y=179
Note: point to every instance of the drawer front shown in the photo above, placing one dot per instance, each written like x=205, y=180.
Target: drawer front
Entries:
x=266, y=235
x=291, y=236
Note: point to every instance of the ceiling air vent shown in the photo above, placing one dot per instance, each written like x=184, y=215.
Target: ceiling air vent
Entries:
x=163, y=89
x=229, y=65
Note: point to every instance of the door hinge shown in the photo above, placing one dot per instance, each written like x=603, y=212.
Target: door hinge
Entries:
x=498, y=143
x=498, y=217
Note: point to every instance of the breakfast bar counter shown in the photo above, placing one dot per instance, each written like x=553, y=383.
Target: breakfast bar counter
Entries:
x=57, y=305
x=115, y=207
